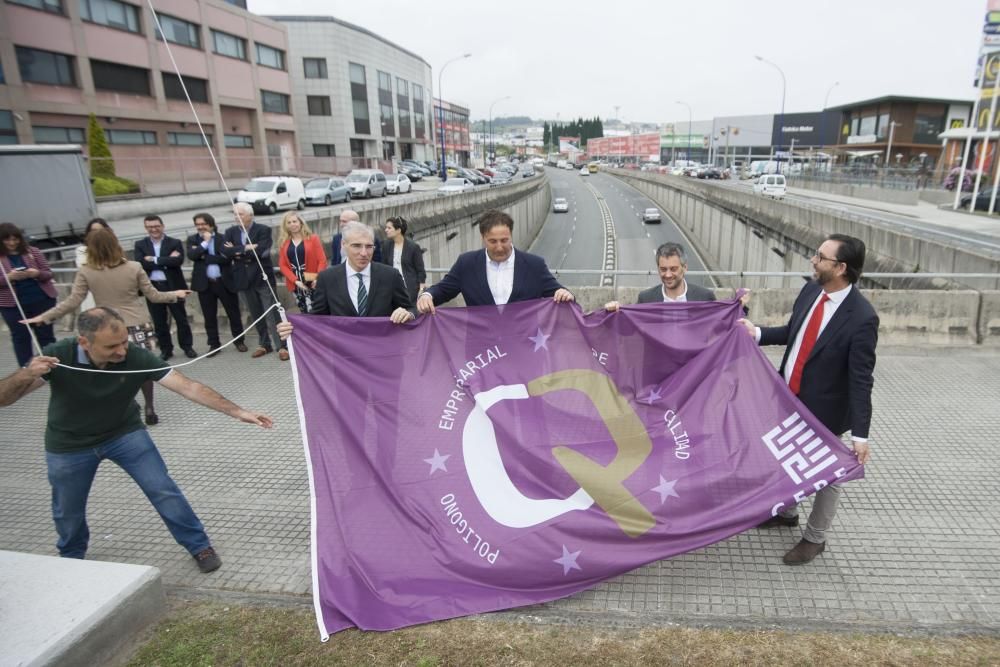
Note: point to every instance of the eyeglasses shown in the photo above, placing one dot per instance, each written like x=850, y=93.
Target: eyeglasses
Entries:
x=826, y=259
x=361, y=246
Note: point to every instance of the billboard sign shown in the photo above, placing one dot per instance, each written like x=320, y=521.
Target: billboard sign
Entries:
x=567, y=144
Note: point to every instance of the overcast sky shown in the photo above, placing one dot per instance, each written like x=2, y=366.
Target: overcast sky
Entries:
x=582, y=58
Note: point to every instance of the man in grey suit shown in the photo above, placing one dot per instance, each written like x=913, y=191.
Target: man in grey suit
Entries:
x=359, y=287
x=671, y=261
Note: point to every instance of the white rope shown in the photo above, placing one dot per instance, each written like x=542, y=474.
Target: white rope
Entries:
x=215, y=162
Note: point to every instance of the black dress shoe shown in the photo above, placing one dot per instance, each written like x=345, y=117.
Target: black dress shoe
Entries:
x=803, y=552
x=213, y=350
x=778, y=520
x=190, y=353
x=166, y=354
x=241, y=347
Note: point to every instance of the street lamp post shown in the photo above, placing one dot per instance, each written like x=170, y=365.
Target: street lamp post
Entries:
x=888, y=148
x=444, y=171
x=507, y=97
x=781, y=116
x=689, y=128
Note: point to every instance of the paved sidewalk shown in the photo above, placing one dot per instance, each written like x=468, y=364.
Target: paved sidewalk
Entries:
x=916, y=545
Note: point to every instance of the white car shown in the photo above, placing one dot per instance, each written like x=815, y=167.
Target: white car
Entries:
x=455, y=185
x=560, y=205
x=585, y=172
x=397, y=184
x=651, y=215
x=267, y=194
x=770, y=185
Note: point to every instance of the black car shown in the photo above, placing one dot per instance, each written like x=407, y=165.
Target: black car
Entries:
x=982, y=201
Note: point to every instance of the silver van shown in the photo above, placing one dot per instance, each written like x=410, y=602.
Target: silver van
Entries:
x=367, y=183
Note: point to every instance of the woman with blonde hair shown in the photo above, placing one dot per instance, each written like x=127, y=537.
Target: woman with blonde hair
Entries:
x=300, y=258
x=116, y=283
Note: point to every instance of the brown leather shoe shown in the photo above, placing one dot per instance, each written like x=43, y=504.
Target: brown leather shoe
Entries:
x=260, y=352
x=803, y=553
x=778, y=520
x=283, y=354
x=241, y=347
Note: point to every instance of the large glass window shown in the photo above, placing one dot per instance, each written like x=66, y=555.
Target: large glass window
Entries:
x=38, y=66
x=319, y=105
x=179, y=31
x=238, y=141
x=315, y=68
x=131, y=137
x=927, y=128
x=883, y=126
x=268, y=56
x=54, y=6
x=8, y=133
x=197, y=88
x=274, y=102
x=111, y=13
x=357, y=148
x=359, y=99
x=187, y=139
x=120, y=78
x=867, y=126
x=384, y=81
x=58, y=135
x=402, y=89
x=229, y=45
x=324, y=150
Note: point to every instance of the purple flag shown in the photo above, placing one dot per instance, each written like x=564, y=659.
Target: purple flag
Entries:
x=486, y=458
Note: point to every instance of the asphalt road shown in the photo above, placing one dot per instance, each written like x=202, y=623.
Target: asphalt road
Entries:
x=577, y=239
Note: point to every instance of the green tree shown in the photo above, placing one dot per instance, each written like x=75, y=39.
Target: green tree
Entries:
x=546, y=135
x=101, y=163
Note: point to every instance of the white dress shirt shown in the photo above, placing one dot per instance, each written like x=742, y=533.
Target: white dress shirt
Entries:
x=500, y=276
x=352, y=283
x=680, y=299
x=157, y=274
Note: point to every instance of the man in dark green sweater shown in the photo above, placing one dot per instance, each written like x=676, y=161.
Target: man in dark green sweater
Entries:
x=94, y=416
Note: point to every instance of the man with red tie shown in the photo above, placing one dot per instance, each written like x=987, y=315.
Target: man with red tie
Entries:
x=829, y=360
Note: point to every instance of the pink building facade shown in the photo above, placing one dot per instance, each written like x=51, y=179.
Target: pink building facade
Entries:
x=61, y=60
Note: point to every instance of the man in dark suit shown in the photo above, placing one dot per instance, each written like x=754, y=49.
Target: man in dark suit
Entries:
x=161, y=256
x=671, y=262
x=338, y=257
x=496, y=275
x=255, y=288
x=358, y=287
x=212, y=279
x=828, y=363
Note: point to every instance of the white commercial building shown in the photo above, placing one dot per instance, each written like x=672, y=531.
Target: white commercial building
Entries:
x=360, y=99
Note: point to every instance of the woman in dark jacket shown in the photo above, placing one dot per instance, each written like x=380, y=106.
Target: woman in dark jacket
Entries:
x=26, y=274
x=405, y=256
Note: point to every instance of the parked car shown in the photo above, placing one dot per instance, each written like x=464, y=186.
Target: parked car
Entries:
x=470, y=175
x=982, y=200
x=486, y=177
x=560, y=205
x=651, y=215
x=584, y=171
x=267, y=194
x=397, y=184
x=770, y=185
x=422, y=168
x=412, y=173
x=502, y=178
x=529, y=170
x=456, y=185
x=326, y=191
x=366, y=183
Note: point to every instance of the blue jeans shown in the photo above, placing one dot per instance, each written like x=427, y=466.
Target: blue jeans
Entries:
x=72, y=474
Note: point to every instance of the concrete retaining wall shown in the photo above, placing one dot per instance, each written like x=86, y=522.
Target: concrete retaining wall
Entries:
x=875, y=193
x=134, y=207
x=791, y=231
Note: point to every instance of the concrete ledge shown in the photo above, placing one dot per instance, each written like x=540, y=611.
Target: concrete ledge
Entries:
x=989, y=318
x=872, y=192
x=61, y=611
x=118, y=209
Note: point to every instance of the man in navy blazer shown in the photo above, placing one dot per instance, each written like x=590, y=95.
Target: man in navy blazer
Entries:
x=161, y=257
x=829, y=360
x=496, y=275
x=242, y=241
x=212, y=279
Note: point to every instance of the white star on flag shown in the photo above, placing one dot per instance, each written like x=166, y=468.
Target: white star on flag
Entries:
x=568, y=560
x=437, y=462
x=539, y=340
x=665, y=489
x=654, y=395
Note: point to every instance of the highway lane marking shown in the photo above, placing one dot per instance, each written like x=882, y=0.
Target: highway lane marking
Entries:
x=610, y=239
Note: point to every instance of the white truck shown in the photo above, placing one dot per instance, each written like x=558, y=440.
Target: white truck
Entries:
x=46, y=191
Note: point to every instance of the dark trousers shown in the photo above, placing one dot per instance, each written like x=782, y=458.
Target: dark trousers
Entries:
x=257, y=298
x=161, y=323
x=209, y=298
x=19, y=333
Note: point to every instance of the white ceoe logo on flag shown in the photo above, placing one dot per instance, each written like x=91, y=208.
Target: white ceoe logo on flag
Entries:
x=799, y=450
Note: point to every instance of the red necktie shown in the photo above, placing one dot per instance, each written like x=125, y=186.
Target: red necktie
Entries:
x=808, y=341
